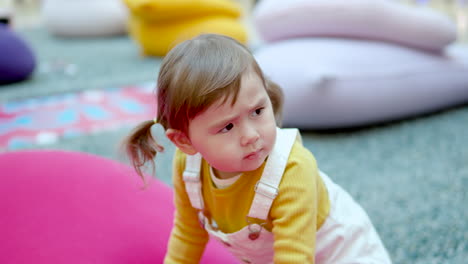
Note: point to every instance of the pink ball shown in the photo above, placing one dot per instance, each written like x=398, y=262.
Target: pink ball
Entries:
x=70, y=207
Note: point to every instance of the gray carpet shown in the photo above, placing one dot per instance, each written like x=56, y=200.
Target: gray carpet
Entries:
x=410, y=176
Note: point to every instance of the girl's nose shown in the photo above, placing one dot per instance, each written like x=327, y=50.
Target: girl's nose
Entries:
x=249, y=136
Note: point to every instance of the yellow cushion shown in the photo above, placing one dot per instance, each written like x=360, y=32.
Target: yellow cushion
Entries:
x=156, y=39
x=160, y=10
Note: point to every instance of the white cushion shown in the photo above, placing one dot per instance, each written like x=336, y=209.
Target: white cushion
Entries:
x=85, y=18
x=387, y=20
x=336, y=83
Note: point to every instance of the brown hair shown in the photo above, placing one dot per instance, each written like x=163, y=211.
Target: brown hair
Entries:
x=193, y=76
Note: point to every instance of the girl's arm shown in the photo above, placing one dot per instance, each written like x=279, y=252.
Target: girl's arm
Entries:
x=188, y=239
x=295, y=210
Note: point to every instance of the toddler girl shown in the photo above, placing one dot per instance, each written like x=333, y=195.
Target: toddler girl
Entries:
x=238, y=177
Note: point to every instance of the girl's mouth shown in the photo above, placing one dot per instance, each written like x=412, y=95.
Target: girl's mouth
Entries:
x=253, y=155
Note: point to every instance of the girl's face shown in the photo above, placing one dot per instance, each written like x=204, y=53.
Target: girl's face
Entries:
x=236, y=138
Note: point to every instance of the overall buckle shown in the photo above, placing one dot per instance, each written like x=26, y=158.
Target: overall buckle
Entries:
x=266, y=190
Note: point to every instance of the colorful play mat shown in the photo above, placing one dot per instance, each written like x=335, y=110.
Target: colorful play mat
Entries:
x=44, y=120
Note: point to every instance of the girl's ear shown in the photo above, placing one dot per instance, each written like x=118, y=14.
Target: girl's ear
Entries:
x=181, y=141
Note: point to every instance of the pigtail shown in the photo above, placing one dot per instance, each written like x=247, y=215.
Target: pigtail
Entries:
x=141, y=147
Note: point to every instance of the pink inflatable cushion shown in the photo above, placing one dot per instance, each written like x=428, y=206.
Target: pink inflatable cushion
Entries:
x=337, y=83
x=66, y=207
x=392, y=21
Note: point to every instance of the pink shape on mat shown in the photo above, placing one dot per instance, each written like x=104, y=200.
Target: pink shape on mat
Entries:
x=45, y=119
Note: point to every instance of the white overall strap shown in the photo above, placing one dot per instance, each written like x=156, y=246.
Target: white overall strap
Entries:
x=192, y=181
x=267, y=187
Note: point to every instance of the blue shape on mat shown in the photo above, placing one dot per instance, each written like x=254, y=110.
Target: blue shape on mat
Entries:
x=16, y=143
x=130, y=106
x=23, y=120
x=11, y=107
x=67, y=116
x=95, y=112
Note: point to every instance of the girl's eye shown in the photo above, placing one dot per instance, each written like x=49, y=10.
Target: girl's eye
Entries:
x=258, y=111
x=227, y=128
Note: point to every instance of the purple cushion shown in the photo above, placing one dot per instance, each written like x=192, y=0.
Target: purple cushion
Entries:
x=69, y=207
x=336, y=83
x=17, y=61
x=390, y=21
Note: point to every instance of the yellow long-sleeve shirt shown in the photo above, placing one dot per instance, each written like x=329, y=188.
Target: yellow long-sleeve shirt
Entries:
x=298, y=211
